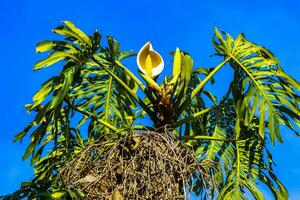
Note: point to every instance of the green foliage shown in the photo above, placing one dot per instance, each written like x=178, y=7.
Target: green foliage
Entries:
x=96, y=89
x=265, y=87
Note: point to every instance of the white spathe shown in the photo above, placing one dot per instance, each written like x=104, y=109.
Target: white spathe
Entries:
x=156, y=60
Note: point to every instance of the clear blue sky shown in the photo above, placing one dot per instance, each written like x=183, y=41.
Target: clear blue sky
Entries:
x=168, y=24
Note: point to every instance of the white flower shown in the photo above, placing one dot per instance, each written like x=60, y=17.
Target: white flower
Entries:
x=149, y=61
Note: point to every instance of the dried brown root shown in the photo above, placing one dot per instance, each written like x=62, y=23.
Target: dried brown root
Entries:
x=147, y=165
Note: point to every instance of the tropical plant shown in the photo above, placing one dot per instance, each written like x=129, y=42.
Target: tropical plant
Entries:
x=97, y=98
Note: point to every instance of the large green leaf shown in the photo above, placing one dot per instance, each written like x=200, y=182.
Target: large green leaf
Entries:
x=249, y=168
x=71, y=31
x=268, y=92
x=49, y=45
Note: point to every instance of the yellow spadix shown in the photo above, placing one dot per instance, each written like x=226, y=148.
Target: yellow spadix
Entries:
x=149, y=61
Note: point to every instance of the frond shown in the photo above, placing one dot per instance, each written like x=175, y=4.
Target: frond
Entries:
x=267, y=91
x=82, y=87
x=249, y=168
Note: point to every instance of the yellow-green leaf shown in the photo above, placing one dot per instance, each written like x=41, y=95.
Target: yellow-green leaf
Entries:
x=57, y=195
x=82, y=35
x=52, y=59
x=40, y=96
x=177, y=63
x=50, y=45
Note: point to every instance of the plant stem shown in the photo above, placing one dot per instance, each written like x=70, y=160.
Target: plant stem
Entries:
x=193, y=116
x=204, y=137
x=201, y=85
x=130, y=92
x=108, y=125
x=208, y=77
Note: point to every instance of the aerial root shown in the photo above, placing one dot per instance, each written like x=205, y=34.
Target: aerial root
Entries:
x=147, y=165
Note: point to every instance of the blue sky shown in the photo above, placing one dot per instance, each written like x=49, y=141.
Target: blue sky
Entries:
x=168, y=24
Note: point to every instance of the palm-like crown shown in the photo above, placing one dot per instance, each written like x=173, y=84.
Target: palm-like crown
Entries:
x=232, y=132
